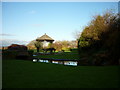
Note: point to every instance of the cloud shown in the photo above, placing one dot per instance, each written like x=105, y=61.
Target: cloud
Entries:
x=7, y=42
x=6, y=34
x=37, y=25
x=32, y=12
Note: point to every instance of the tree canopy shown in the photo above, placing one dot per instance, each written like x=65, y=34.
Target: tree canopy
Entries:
x=103, y=32
x=38, y=45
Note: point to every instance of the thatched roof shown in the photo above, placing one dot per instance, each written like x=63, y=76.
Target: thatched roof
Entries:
x=45, y=37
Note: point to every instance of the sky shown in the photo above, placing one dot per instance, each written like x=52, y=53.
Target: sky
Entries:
x=23, y=22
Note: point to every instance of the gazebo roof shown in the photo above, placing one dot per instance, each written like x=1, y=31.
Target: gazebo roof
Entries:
x=44, y=37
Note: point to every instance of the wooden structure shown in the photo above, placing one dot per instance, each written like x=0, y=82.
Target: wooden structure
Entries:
x=45, y=37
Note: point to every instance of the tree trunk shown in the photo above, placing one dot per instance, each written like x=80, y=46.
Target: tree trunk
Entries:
x=78, y=46
x=38, y=49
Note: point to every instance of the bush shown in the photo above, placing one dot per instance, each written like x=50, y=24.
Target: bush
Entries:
x=30, y=52
x=7, y=54
x=14, y=54
x=17, y=47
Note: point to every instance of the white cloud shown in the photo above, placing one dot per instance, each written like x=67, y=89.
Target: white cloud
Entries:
x=32, y=12
x=37, y=25
x=7, y=42
x=4, y=34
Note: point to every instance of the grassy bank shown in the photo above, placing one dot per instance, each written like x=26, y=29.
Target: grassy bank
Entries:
x=63, y=55
x=26, y=74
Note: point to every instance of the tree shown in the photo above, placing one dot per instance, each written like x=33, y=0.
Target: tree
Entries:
x=93, y=33
x=64, y=45
x=103, y=34
x=38, y=45
x=31, y=45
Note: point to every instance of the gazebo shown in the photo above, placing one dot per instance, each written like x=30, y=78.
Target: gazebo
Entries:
x=44, y=39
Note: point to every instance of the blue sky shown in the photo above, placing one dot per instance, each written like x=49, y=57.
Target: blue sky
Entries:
x=25, y=21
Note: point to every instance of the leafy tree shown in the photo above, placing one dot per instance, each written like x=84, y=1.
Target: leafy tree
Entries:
x=66, y=45
x=38, y=45
x=31, y=45
x=103, y=33
x=98, y=26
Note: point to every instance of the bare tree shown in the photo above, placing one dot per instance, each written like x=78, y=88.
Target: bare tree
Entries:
x=76, y=34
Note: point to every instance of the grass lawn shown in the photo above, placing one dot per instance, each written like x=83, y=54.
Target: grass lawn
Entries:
x=64, y=55
x=26, y=74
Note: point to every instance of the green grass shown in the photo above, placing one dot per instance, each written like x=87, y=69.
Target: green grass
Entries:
x=26, y=74
x=64, y=55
